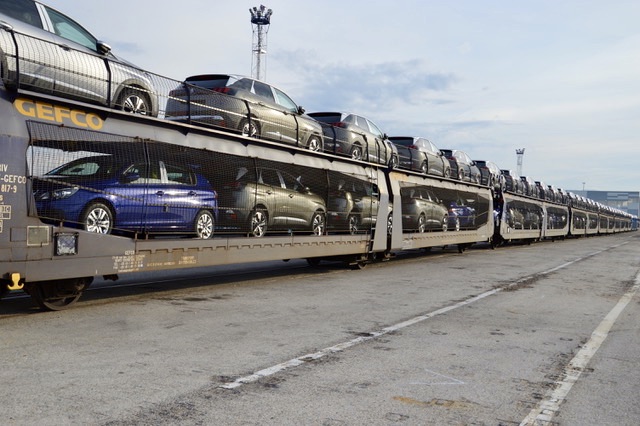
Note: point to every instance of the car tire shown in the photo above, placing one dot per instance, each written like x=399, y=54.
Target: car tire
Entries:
x=97, y=218
x=315, y=144
x=393, y=163
x=258, y=220
x=249, y=128
x=318, y=223
x=445, y=224
x=356, y=152
x=354, y=224
x=204, y=225
x=424, y=168
x=422, y=223
x=134, y=101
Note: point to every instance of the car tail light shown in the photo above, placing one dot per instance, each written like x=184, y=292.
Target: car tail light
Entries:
x=340, y=124
x=225, y=90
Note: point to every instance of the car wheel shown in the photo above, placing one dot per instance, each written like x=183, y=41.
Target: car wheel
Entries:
x=460, y=174
x=389, y=223
x=393, y=163
x=456, y=223
x=314, y=144
x=134, y=101
x=446, y=172
x=424, y=168
x=318, y=223
x=422, y=223
x=356, y=152
x=354, y=224
x=204, y=224
x=97, y=217
x=445, y=224
x=258, y=223
x=249, y=129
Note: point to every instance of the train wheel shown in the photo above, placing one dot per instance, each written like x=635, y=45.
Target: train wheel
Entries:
x=59, y=294
x=313, y=261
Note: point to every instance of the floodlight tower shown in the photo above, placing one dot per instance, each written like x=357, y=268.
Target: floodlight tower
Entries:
x=520, y=154
x=260, y=21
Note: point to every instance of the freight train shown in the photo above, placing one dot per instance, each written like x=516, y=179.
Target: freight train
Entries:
x=90, y=191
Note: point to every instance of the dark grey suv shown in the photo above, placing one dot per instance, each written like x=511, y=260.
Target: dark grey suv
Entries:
x=251, y=107
x=357, y=137
x=265, y=199
x=51, y=53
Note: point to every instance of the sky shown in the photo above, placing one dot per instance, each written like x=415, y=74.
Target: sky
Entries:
x=559, y=78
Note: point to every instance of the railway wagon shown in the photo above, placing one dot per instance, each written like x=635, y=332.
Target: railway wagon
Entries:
x=89, y=192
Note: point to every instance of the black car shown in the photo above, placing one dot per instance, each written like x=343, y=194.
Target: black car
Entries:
x=416, y=153
x=490, y=174
x=462, y=166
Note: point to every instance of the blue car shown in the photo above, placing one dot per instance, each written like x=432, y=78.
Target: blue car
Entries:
x=104, y=195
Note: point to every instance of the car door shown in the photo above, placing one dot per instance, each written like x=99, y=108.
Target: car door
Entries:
x=270, y=189
x=132, y=195
x=82, y=70
x=175, y=199
x=296, y=201
x=277, y=123
x=293, y=132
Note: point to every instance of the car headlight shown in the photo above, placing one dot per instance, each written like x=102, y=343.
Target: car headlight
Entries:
x=58, y=194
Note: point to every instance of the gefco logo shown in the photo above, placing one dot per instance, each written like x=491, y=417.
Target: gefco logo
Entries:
x=58, y=114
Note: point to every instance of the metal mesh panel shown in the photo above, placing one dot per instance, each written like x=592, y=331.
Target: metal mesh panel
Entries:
x=112, y=184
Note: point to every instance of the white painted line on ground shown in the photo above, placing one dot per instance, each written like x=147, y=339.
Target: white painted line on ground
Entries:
x=295, y=362
x=546, y=409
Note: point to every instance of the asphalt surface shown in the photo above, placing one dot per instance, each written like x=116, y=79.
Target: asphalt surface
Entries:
x=527, y=334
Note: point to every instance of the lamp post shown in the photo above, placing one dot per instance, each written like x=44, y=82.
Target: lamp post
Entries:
x=260, y=22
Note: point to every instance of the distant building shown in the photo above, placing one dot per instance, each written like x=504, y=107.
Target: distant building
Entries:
x=628, y=202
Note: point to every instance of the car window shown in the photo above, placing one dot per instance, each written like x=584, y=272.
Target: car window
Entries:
x=22, y=10
x=374, y=129
x=290, y=182
x=263, y=91
x=71, y=30
x=177, y=175
x=285, y=101
x=270, y=177
x=85, y=168
x=149, y=173
x=361, y=122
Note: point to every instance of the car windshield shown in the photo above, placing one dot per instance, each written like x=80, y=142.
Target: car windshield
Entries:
x=91, y=166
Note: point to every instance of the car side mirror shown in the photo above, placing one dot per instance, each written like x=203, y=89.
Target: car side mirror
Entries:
x=130, y=177
x=103, y=48
x=300, y=110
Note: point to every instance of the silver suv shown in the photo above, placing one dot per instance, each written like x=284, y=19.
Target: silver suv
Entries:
x=43, y=50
